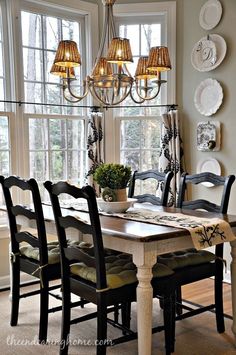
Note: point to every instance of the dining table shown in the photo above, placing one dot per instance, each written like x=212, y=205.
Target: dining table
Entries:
x=145, y=241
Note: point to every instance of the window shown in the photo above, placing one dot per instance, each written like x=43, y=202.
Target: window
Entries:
x=2, y=78
x=56, y=133
x=138, y=129
x=4, y=120
x=40, y=37
x=4, y=146
x=139, y=142
x=57, y=149
x=45, y=137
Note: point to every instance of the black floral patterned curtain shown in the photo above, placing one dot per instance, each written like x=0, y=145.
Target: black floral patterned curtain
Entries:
x=171, y=155
x=95, y=149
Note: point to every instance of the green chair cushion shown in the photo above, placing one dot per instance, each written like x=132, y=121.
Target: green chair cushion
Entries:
x=187, y=257
x=53, y=250
x=120, y=270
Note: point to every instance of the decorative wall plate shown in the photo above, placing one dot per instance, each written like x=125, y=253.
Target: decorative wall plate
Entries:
x=208, y=136
x=208, y=53
x=208, y=97
x=209, y=165
x=210, y=14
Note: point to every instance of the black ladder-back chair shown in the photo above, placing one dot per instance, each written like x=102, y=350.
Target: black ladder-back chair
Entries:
x=41, y=268
x=208, y=264
x=163, y=180
x=98, y=290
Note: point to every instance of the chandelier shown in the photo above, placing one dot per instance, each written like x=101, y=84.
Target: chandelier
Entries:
x=110, y=81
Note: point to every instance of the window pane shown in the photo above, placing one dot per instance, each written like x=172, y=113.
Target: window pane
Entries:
x=74, y=163
x=75, y=134
x=150, y=37
x=33, y=64
x=150, y=159
x=39, y=165
x=131, y=158
x=1, y=62
x=31, y=30
x=4, y=146
x=131, y=32
x=130, y=133
x=53, y=96
x=49, y=58
x=38, y=134
x=4, y=133
x=58, y=165
x=140, y=143
x=70, y=30
x=4, y=163
x=150, y=134
x=34, y=93
x=57, y=134
x=53, y=29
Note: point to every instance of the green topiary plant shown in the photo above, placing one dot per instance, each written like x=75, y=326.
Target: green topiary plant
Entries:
x=114, y=176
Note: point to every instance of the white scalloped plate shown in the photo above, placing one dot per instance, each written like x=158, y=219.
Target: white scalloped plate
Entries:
x=208, y=53
x=209, y=165
x=210, y=14
x=208, y=97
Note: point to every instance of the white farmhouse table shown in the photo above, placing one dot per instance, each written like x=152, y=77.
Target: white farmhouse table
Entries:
x=145, y=241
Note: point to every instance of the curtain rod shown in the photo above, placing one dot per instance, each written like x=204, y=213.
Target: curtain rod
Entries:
x=92, y=107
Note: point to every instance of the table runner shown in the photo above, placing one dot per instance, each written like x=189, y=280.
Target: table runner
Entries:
x=205, y=232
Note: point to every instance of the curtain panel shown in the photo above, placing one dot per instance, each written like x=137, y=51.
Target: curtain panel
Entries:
x=171, y=154
x=95, y=147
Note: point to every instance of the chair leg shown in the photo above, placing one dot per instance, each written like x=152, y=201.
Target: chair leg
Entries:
x=101, y=325
x=126, y=315
x=43, y=323
x=15, y=289
x=178, y=295
x=116, y=313
x=169, y=322
x=219, y=299
x=65, y=328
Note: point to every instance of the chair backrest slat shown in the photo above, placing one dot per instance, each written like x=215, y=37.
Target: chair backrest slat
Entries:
x=216, y=180
x=20, y=210
x=92, y=227
x=163, y=180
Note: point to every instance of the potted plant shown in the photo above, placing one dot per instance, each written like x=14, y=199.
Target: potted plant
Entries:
x=113, y=180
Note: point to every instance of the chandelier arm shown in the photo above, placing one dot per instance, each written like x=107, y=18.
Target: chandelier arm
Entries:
x=127, y=92
x=126, y=68
x=67, y=98
x=104, y=102
x=95, y=95
x=159, y=82
x=85, y=90
x=134, y=100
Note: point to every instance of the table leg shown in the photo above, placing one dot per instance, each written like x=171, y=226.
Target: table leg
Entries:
x=233, y=284
x=144, y=300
